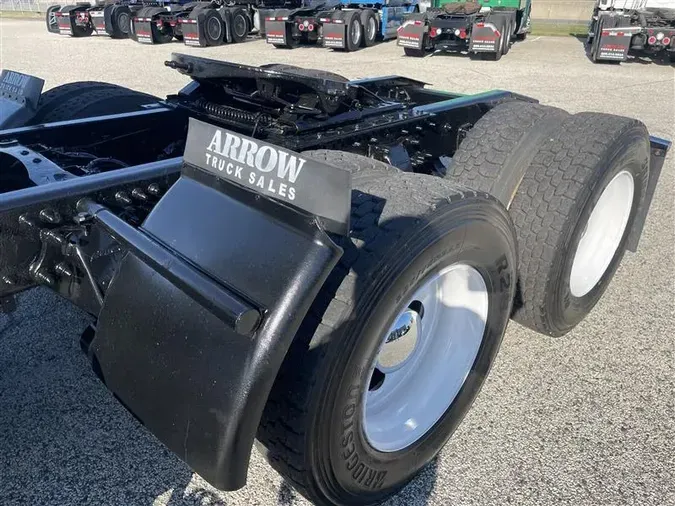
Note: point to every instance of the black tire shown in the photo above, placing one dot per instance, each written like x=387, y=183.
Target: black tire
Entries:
x=121, y=21
x=52, y=98
x=214, y=27
x=552, y=207
x=92, y=100
x=370, y=24
x=405, y=227
x=353, y=23
x=497, y=151
x=50, y=18
x=506, y=37
x=240, y=25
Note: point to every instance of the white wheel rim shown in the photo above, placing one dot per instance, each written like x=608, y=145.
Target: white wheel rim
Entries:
x=604, y=230
x=421, y=369
x=356, y=32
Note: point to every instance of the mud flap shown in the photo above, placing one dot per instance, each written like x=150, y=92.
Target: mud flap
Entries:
x=66, y=22
x=195, y=361
x=411, y=34
x=334, y=33
x=485, y=38
x=192, y=33
x=143, y=30
x=614, y=44
x=19, y=97
x=99, y=22
x=277, y=32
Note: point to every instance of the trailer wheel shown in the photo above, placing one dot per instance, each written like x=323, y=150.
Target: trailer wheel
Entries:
x=354, y=33
x=50, y=18
x=370, y=25
x=573, y=213
x=406, y=327
x=88, y=100
x=240, y=25
x=214, y=27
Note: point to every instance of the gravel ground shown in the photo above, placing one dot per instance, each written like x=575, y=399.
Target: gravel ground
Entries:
x=588, y=419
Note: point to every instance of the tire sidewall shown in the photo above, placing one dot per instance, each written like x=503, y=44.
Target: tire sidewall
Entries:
x=347, y=462
x=630, y=152
x=350, y=44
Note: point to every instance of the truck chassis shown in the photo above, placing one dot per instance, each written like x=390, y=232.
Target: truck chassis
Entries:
x=266, y=253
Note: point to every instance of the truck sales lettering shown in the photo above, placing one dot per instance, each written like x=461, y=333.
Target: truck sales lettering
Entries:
x=256, y=159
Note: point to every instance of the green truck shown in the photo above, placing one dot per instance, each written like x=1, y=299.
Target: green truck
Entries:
x=484, y=28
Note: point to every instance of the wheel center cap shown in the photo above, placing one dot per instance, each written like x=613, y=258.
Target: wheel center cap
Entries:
x=400, y=342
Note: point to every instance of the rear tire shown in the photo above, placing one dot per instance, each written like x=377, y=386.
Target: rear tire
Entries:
x=88, y=99
x=354, y=31
x=497, y=151
x=568, y=254
x=121, y=19
x=369, y=23
x=50, y=19
x=240, y=25
x=406, y=228
x=214, y=27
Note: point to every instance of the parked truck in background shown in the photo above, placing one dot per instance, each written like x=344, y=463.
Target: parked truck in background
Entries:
x=485, y=28
x=621, y=27
x=337, y=24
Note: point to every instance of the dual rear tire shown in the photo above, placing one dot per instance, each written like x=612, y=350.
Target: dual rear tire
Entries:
x=573, y=185
x=430, y=275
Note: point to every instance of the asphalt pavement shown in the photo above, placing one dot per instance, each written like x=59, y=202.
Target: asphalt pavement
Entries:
x=587, y=419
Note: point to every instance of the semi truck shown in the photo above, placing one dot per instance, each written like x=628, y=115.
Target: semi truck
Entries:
x=485, y=28
x=620, y=28
x=323, y=266
x=337, y=24
x=204, y=23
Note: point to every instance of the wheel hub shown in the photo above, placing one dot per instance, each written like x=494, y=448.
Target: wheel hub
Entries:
x=425, y=357
x=401, y=341
x=602, y=234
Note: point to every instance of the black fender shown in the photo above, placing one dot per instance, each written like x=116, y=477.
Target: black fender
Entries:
x=198, y=318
